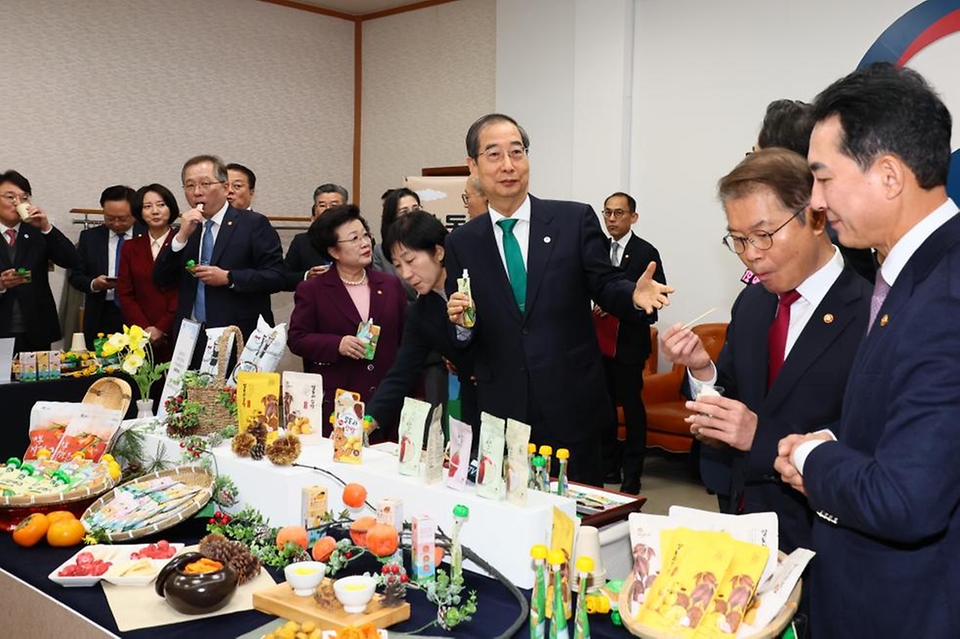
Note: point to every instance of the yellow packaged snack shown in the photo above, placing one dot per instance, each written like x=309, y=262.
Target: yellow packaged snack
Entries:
x=258, y=400
x=695, y=561
x=735, y=592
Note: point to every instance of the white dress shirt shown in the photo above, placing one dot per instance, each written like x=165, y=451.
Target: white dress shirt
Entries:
x=521, y=230
x=113, y=264
x=622, y=247
x=176, y=245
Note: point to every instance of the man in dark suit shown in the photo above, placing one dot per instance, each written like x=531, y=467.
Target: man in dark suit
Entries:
x=303, y=260
x=241, y=186
x=885, y=480
x=237, y=254
x=789, y=346
x=96, y=274
x=534, y=266
x=28, y=312
x=624, y=366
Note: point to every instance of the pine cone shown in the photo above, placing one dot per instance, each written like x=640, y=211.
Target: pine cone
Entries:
x=235, y=553
x=242, y=444
x=325, y=596
x=285, y=450
x=259, y=430
x=258, y=451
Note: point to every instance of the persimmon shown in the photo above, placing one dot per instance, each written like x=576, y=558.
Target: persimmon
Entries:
x=354, y=495
x=60, y=515
x=31, y=530
x=296, y=534
x=66, y=532
x=359, y=529
x=382, y=540
x=323, y=548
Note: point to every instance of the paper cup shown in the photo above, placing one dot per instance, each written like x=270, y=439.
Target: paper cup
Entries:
x=588, y=544
x=23, y=209
x=79, y=344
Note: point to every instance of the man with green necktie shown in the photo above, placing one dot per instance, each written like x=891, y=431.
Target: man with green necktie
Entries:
x=537, y=357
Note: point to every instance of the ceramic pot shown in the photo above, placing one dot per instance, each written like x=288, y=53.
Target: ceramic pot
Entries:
x=144, y=408
x=195, y=594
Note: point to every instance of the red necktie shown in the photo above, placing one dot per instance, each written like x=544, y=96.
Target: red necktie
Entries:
x=777, y=336
x=13, y=237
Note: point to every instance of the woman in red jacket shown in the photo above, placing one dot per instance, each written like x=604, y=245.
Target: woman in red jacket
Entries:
x=141, y=302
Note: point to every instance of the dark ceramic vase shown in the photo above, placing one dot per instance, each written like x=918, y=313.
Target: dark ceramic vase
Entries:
x=195, y=594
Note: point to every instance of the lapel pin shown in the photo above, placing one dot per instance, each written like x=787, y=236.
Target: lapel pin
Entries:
x=230, y=223
x=828, y=318
x=884, y=320
x=379, y=292
x=546, y=240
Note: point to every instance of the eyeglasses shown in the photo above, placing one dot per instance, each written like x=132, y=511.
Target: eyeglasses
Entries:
x=356, y=239
x=13, y=198
x=465, y=198
x=408, y=209
x=204, y=186
x=495, y=155
x=615, y=213
x=761, y=240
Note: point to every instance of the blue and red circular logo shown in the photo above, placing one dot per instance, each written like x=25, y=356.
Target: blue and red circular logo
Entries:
x=915, y=30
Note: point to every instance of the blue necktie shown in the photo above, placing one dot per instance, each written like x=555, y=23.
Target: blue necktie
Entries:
x=206, y=252
x=116, y=266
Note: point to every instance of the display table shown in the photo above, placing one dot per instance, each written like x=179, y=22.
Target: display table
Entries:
x=276, y=492
x=35, y=606
x=18, y=398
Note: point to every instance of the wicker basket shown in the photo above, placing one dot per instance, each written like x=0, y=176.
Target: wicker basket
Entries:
x=109, y=392
x=215, y=415
x=773, y=630
x=191, y=475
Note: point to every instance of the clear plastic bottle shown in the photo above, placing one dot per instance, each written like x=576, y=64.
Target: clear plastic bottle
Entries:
x=563, y=486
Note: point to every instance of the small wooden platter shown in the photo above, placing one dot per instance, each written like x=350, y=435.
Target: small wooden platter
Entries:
x=282, y=602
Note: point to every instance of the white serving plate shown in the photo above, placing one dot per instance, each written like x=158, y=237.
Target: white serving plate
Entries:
x=117, y=555
x=332, y=634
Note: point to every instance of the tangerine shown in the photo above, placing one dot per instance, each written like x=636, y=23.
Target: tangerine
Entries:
x=296, y=534
x=66, y=532
x=31, y=530
x=354, y=495
x=323, y=548
x=60, y=515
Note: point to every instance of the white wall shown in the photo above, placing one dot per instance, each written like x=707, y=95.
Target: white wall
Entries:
x=691, y=105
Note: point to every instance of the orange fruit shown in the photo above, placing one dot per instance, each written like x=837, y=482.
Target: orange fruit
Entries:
x=66, y=532
x=382, y=540
x=296, y=534
x=31, y=530
x=354, y=495
x=359, y=529
x=323, y=548
x=60, y=515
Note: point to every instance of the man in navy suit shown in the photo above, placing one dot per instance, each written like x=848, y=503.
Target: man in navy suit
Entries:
x=303, y=260
x=624, y=366
x=236, y=253
x=789, y=346
x=27, y=310
x=96, y=273
x=885, y=480
x=534, y=266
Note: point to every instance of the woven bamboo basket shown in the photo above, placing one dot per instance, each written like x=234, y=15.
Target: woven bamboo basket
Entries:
x=215, y=415
x=109, y=392
x=774, y=628
x=190, y=475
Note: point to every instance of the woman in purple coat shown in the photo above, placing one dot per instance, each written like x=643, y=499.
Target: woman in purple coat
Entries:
x=330, y=308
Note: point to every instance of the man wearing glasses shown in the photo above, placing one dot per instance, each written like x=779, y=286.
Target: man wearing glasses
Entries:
x=473, y=198
x=623, y=365
x=534, y=267
x=28, y=312
x=303, y=260
x=789, y=346
x=236, y=255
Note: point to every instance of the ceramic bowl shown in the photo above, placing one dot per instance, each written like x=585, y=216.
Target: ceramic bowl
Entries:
x=354, y=592
x=195, y=594
x=305, y=576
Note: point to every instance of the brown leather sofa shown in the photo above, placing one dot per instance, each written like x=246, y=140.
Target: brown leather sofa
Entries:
x=662, y=400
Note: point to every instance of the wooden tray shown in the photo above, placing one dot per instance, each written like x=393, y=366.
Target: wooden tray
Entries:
x=191, y=475
x=774, y=628
x=281, y=601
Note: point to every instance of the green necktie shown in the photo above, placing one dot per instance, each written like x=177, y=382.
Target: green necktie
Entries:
x=515, y=268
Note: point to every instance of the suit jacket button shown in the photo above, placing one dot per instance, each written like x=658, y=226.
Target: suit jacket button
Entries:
x=525, y=331
x=369, y=367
